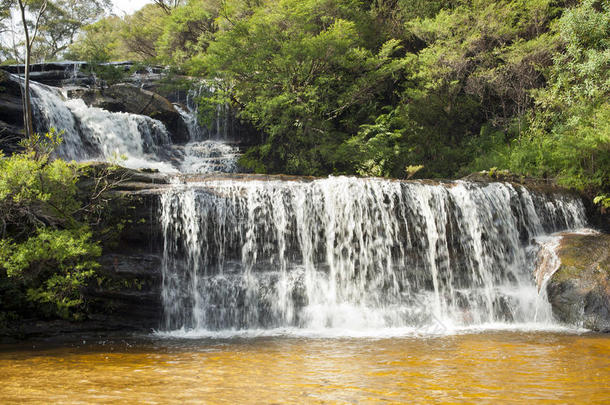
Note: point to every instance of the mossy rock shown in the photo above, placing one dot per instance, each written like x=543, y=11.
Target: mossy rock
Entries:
x=579, y=291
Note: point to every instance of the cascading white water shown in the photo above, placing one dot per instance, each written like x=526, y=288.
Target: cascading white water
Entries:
x=205, y=152
x=50, y=111
x=220, y=127
x=209, y=157
x=354, y=253
x=134, y=141
x=93, y=133
x=196, y=132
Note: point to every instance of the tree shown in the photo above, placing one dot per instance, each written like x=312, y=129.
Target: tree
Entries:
x=47, y=249
x=302, y=72
x=569, y=134
x=46, y=254
x=57, y=26
x=62, y=21
x=101, y=41
x=30, y=30
x=187, y=32
x=168, y=5
x=142, y=30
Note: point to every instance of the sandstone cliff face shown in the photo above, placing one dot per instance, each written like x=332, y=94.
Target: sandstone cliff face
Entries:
x=579, y=291
x=127, y=295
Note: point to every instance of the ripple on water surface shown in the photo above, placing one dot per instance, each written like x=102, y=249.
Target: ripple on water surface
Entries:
x=492, y=366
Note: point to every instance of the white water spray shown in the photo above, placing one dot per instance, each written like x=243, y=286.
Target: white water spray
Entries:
x=353, y=254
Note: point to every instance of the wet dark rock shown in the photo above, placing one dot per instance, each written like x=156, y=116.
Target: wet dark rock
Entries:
x=126, y=292
x=579, y=291
x=11, y=114
x=129, y=293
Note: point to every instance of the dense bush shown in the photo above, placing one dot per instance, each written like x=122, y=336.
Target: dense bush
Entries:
x=46, y=254
x=569, y=134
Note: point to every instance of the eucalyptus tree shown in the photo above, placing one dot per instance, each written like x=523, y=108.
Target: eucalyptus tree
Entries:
x=168, y=5
x=46, y=29
x=31, y=13
x=62, y=22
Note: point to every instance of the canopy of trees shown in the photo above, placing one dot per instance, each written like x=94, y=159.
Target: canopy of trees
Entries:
x=56, y=27
x=371, y=87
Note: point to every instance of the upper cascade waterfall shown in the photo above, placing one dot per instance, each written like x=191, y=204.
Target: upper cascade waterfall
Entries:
x=132, y=140
x=347, y=253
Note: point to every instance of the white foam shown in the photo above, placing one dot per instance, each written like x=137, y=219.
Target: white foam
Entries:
x=369, y=333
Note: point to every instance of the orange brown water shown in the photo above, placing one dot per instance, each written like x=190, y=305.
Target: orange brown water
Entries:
x=492, y=367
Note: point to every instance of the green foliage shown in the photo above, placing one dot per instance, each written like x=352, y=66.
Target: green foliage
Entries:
x=100, y=42
x=62, y=21
x=412, y=170
x=42, y=145
x=106, y=73
x=55, y=28
x=174, y=36
x=55, y=265
x=186, y=32
x=35, y=192
x=603, y=200
x=370, y=88
x=113, y=38
x=46, y=254
x=302, y=75
x=569, y=136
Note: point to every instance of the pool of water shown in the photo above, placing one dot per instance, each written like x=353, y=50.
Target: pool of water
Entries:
x=491, y=366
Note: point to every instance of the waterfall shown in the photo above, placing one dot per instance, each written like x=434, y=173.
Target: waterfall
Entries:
x=221, y=126
x=91, y=133
x=329, y=254
x=196, y=132
x=134, y=141
x=354, y=253
x=207, y=151
x=209, y=157
x=50, y=111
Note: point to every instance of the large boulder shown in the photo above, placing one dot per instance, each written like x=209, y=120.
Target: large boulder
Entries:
x=129, y=98
x=579, y=291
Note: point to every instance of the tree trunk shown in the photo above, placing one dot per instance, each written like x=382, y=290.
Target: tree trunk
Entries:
x=28, y=120
x=27, y=102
